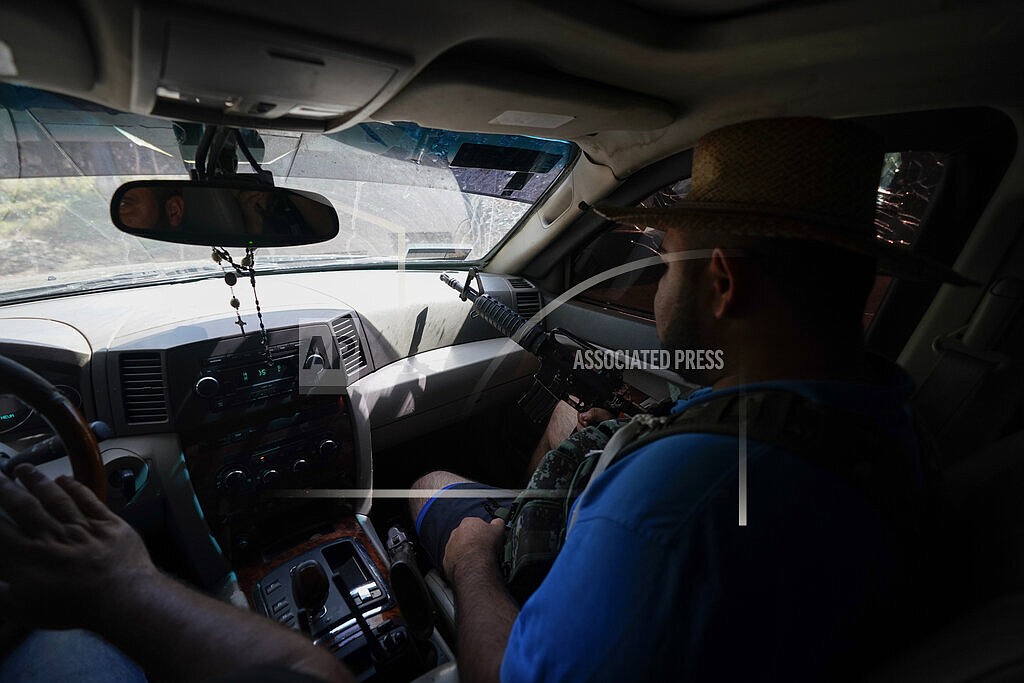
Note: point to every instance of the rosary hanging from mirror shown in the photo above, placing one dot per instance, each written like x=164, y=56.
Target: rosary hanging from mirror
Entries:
x=220, y=256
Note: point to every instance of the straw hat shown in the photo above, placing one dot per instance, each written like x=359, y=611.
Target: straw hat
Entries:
x=796, y=178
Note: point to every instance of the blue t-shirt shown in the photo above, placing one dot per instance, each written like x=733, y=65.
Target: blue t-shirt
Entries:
x=658, y=582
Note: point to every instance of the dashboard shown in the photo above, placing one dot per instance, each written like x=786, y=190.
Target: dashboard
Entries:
x=243, y=441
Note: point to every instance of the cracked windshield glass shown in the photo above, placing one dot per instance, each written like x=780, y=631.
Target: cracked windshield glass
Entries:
x=404, y=194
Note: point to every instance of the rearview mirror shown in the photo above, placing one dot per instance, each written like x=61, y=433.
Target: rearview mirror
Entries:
x=222, y=213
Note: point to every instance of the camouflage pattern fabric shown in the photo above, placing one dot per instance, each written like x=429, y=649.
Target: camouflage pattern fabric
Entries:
x=536, y=528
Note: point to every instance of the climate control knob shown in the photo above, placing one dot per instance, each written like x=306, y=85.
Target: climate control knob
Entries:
x=328, y=448
x=207, y=387
x=315, y=362
x=300, y=465
x=269, y=476
x=234, y=481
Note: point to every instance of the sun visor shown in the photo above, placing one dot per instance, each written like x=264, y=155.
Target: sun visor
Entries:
x=265, y=77
x=67, y=64
x=500, y=99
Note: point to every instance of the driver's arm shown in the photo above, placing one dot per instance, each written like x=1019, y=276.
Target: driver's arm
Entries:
x=69, y=562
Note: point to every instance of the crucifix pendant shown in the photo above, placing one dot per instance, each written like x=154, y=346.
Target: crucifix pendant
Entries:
x=241, y=325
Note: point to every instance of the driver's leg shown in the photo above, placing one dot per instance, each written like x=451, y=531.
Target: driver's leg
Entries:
x=68, y=657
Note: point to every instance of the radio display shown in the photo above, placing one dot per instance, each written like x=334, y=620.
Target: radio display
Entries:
x=254, y=374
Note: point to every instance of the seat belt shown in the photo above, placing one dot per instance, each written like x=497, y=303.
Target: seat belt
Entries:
x=950, y=400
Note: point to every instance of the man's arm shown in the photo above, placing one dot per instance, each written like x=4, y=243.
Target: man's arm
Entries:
x=69, y=562
x=484, y=612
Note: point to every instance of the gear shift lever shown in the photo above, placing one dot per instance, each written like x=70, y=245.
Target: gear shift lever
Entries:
x=310, y=587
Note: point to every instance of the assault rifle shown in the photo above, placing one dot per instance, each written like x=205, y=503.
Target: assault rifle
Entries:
x=557, y=379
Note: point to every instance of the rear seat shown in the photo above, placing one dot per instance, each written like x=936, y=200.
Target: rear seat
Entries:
x=980, y=562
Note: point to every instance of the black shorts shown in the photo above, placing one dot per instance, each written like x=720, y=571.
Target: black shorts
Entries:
x=442, y=514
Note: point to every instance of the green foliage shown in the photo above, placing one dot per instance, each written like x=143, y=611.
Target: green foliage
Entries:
x=42, y=219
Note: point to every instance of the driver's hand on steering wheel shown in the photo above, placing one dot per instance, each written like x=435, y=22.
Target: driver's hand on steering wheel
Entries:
x=65, y=556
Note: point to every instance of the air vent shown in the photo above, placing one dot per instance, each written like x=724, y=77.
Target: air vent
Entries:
x=348, y=341
x=527, y=303
x=143, y=389
x=519, y=283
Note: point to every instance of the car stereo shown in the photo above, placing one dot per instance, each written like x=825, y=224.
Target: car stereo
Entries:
x=242, y=378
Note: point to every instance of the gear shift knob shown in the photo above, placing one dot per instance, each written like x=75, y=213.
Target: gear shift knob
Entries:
x=310, y=586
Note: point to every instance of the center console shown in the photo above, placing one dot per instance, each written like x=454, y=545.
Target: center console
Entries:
x=282, y=477
x=337, y=595
x=270, y=462
x=267, y=485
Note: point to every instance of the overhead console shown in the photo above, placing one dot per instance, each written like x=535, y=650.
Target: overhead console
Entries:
x=265, y=77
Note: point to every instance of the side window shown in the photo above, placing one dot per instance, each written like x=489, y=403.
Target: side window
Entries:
x=906, y=189
x=633, y=291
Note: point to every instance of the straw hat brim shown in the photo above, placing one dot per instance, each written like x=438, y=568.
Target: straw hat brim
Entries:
x=752, y=220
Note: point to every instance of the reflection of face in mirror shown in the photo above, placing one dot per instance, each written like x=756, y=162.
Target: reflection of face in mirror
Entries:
x=254, y=205
x=223, y=213
x=148, y=208
x=277, y=213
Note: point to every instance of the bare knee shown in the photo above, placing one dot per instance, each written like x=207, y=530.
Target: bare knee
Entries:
x=430, y=483
x=560, y=425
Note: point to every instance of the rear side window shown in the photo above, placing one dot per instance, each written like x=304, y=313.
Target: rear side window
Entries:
x=906, y=189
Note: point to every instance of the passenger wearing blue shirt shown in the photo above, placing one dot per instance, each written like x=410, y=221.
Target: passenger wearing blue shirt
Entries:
x=706, y=556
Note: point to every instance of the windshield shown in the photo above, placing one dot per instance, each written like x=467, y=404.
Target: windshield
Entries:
x=403, y=193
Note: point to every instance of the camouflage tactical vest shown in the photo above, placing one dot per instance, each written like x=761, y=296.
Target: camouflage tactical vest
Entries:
x=849, y=444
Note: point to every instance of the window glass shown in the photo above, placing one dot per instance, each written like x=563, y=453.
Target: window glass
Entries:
x=404, y=194
x=905, y=190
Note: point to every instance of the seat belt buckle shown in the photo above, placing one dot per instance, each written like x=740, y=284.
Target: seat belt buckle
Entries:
x=952, y=343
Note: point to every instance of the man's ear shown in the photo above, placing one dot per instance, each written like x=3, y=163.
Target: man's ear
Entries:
x=722, y=273
x=175, y=208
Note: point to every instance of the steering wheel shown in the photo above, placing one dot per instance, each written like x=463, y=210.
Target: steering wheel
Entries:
x=72, y=429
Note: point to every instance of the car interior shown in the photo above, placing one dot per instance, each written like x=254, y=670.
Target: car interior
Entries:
x=260, y=414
